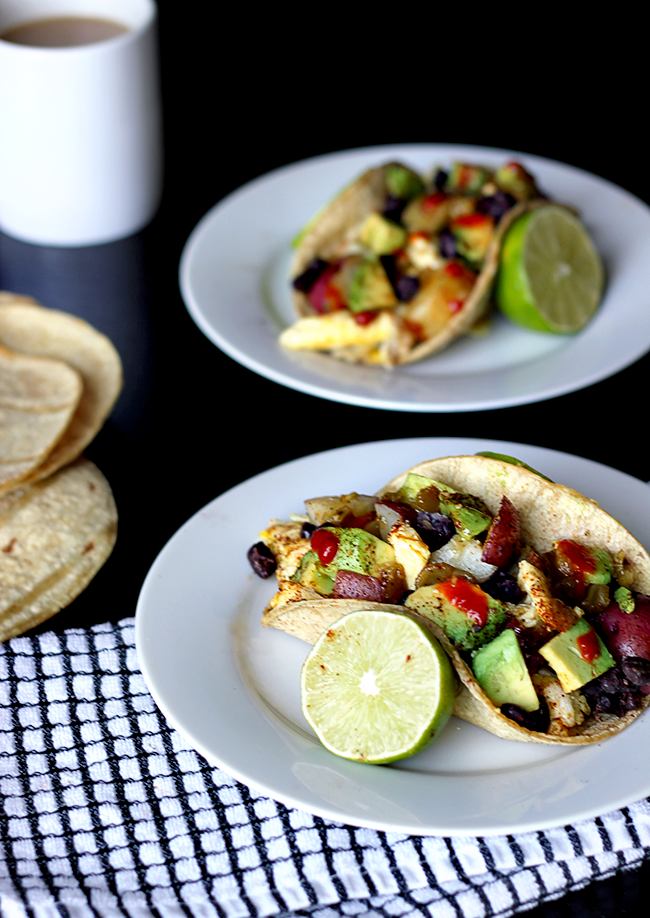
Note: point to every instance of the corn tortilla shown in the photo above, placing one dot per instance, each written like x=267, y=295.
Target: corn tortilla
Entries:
x=548, y=512
x=55, y=535
x=365, y=195
x=38, y=397
x=29, y=328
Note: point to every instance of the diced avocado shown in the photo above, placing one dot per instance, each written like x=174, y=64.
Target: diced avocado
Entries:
x=370, y=288
x=469, y=514
x=311, y=573
x=360, y=551
x=472, y=234
x=577, y=656
x=501, y=671
x=604, y=567
x=513, y=178
x=402, y=182
x=413, y=484
x=382, y=236
x=513, y=461
x=625, y=599
x=426, y=213
x=593, y=564
x=461, y=629
x=466, y=513
x=466, y=179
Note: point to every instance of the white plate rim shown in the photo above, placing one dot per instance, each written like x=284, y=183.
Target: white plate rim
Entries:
x=547, y=376
x=581, y=789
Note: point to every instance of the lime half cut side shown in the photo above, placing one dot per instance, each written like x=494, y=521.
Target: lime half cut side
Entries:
x=377, y=687
x=551, y=276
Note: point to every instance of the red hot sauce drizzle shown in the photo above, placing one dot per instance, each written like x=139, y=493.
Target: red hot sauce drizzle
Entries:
x=588, y=646
x=579, y=559
x=468, y=598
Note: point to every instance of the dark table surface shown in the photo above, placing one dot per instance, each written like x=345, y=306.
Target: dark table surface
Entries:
x=190, y=422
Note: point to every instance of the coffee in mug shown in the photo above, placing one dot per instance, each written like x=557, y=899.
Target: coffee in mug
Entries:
x=81, y=127
x=63, y=31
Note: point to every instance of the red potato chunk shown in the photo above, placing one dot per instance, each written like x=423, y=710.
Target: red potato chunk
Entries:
x=504, y=536
x=627, y=634
x=351, y=585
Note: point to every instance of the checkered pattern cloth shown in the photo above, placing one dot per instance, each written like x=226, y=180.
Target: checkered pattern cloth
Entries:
x=106, y=812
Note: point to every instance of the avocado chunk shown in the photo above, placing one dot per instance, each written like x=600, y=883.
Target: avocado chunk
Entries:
x=591, y=565
x=501, y=671
x=459, y=626
x=577, y=656
x=625, y=599
x=426, y=213
x=312, y=574
x=472, y=234
x=382, y=236
x=466, y=179
x=360, y=551
x=413, y=486
x=514, y=179
x=469, y=514
x=402, y=182
x=370, y=288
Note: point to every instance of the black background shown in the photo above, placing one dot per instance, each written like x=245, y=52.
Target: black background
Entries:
x=250, y=90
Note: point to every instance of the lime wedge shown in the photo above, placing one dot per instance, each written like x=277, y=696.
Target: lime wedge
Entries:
x=377, y=687
x=550, y=275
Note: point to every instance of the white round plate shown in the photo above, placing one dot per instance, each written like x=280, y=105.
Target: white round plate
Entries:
x=234, y=280
x=232, y=688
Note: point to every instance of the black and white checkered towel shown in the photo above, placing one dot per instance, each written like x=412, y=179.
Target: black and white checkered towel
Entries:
x=107, y=812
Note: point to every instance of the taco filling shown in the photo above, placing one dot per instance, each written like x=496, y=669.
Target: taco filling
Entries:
x=539, y=597
x=396, y=266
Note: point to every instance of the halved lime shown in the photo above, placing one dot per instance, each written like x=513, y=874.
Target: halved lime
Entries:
x=377, y=686
x=550, y=275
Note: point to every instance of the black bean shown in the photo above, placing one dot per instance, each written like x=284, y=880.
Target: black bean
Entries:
x=305, y=281
x=637, y=670
x=613, y=692
x=504, y=587
x=496, y=205
x=604, y=704
x=306, y=530
x=628, y=701
x=393, y=208
x=389, y=266
x=262, y=560
x=447, y=244
x=436, y=529
x=613, y=681
x=406, y=287
x=531, y=720
x=440, y=179
x=528, y=644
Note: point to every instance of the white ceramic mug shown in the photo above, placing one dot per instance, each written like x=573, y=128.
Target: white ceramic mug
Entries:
x=80, y=127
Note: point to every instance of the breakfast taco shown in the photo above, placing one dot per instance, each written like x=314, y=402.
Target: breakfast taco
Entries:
x=540, y=598
x=395, y=267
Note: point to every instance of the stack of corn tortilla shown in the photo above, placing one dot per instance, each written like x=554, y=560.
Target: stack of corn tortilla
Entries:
x=59, y=379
